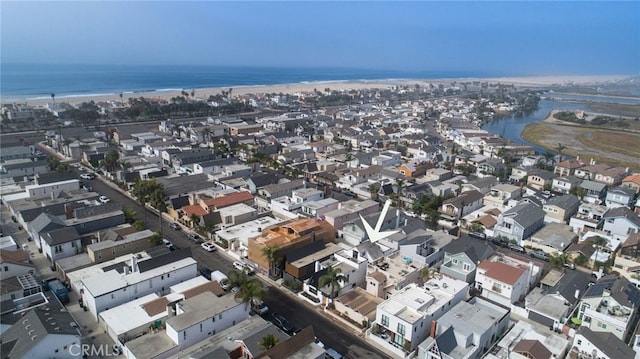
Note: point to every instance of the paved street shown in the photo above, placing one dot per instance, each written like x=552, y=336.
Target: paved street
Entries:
x=300, y=314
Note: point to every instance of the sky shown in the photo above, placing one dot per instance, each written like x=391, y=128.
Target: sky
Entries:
x=517, y=38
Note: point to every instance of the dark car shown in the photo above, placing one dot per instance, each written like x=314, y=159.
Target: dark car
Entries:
x=517, y=248
x=206, y=272
x=500, y=242
x=283, y=323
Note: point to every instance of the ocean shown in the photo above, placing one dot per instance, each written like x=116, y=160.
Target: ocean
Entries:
x=40, y=81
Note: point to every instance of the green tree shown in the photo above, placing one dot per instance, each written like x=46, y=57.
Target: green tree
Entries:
x=559, y=148
x=156, y=238
x=129, y=215
x=111, y=160
x=427, y=273
x=268, y=341
x=142, y=191
x=332, y=278
x=476, y=227
x=558, y=259
x=399, y=189
x=271, y=254
x=249, y=289
x=138, y=225
x=599, y=243
x=206, y=132
x=53, y=162
x=195, y=220
x=63, y=168
x=373, y=190
x=157, y=201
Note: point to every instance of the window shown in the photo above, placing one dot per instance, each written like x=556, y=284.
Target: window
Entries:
x=200, y=327
x=184, y=335
x=399, y=340
x=401, y=329
x=385, y=320
x=579, y=341
x=6, y=268
x=455, y=261
x=466, y=267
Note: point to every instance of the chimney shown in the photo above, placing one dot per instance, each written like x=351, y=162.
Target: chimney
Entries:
x=397, y=218
x=171, y=312
x=99, y=236
x=53, y=196
x=317, y=267
x=434, y=325
x=126, y=269
x=134, y=264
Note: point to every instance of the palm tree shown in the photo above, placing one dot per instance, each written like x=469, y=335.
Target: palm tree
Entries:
x=249, y=289
x=332, y=278
x=399, y=187
x=142, y=191
x=121, y=95
x=268, y=341
x=53, y=97
x=129, y=215
x=559, y=148
x=427, y=273
x=271, y=254
x=373, y=190
x=548, y=157
x=599, y=243
x=195, y=220
x=63, y=167
x=158, y=202
x=206, y=132
x=558, y=259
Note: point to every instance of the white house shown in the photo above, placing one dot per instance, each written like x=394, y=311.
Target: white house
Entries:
x=131, y=281
x=506, y=279
x=195, y=319
x=404, y=320
x=620, y=222
x=60, y=243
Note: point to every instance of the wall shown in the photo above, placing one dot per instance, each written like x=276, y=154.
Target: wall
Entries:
x=223, y=321
x=9, y=270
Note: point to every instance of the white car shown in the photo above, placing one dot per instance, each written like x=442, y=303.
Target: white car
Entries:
x=243, y=267
x=87, y=176
x=208, y=246
x=104, y=199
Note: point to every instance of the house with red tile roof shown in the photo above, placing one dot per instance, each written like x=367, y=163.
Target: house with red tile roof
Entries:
x=632, y=181
x=504, y=279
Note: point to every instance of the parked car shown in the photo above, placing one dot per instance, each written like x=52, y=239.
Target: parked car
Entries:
x=282, y=323
x=332, y=354
x=206, y=272
x=208, y=246
x=517, y=248
x=540, y=255
x=500, y=242
x=104, y=199
x=570, y=265
x=194, y=237
x=175, y=226
x=88, y=188
x=244, y=267
x=87, y=176
x=478, y=235
x=258, y=307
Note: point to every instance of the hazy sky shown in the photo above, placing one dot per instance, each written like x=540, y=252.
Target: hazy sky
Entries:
x=532, y=38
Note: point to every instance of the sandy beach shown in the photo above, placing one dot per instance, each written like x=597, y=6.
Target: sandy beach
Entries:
x=295, y=88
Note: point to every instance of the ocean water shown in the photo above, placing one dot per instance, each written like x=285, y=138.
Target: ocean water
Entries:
x=39, y=81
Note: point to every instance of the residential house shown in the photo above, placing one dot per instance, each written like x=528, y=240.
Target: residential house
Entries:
x=540, y=179
x=620, y=197
x=609, y=306
x=60, y=243
x=627, y=262
x=127, y=281
x=302, y=263
x=405, y=319
x=350, y=264
x=632, y=181
x=612, y=176
x=559, y=209
x=526, y=340
x=461, y=258
x=565, y=184
x=258, y=180
x=45, y=332
x=453, y=209
x=21, y=168
x=195, y=319
x=413, y=170
x=391, y=275
x=595, y=344
x=15, y=263
x=620, y=222
x=506, y=278
x=482, y=185
x=358, y=175
x=594, y=192
x=500, y=195
x=491, y=167
x=349, y=211
x=119, y=241
x=567, y=167
x=467, y=330
x=280, y=189
x=553, y=238
x=288, y=236
x=588, y=217
x=519, y=222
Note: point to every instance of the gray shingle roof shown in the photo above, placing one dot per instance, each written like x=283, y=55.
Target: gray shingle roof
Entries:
x=608, y=343
x=61, y=235
x=525, y=214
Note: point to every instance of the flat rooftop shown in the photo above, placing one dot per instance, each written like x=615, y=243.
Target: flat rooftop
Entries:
x=131, y=315
x=247, y=230
x=199, y=308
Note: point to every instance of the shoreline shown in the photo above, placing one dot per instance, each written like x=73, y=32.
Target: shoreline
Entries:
x=301, y=87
